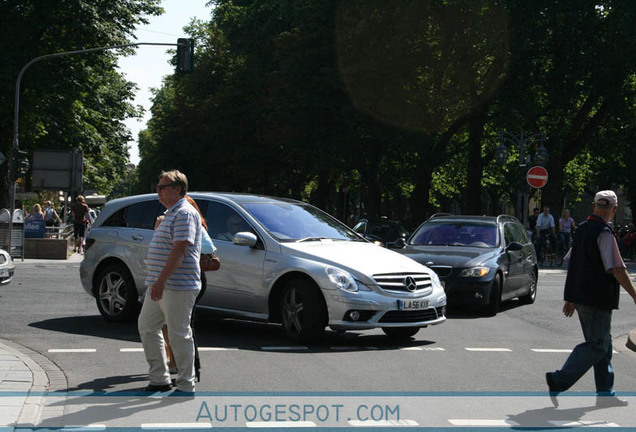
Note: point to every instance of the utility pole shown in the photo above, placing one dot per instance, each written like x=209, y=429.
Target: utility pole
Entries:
x=185, y=48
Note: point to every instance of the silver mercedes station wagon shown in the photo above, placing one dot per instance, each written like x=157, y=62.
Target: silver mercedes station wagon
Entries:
x=282, y=261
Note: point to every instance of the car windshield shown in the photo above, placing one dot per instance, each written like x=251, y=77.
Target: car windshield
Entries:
x=289, y=222
x=449, y=233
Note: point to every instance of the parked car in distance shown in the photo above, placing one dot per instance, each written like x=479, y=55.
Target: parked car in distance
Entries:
x=7, y=267
x=282, y=261
x=480, y=260
x=384, y=231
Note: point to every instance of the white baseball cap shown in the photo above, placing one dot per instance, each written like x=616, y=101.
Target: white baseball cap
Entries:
x=606, y=198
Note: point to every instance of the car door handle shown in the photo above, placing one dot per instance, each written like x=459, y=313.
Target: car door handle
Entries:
x=138, y=237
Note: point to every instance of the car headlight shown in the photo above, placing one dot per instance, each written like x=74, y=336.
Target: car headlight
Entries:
x=475, y=272
x=435, y=279
x=341, y=279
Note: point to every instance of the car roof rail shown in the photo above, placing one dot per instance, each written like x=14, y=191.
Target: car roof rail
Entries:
x=507, y=217
x=436, y=215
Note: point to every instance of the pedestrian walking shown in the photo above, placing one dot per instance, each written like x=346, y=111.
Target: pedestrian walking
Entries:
x=173, y=282
x=51, y=218
x=81, y=219
x=595, y=271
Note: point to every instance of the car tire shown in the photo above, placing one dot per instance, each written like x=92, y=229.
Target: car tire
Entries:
x=400, y=332
x=303, y=311
x=116, y=294
x=494, y=298
x=532, y=293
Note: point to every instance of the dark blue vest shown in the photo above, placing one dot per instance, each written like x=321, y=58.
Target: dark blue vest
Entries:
x=587, y=282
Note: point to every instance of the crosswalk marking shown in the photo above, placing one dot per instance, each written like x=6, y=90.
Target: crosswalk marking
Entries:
x=382, y=423
x=482, y=422
x=280, y=424
x=202, y=425
x=489, y=349
x=72, y=350
x=588, y=423
x=334, y=348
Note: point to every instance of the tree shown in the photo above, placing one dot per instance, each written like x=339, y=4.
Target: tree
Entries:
x=68, y=102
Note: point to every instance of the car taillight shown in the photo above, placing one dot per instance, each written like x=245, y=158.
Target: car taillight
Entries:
x=89, y=243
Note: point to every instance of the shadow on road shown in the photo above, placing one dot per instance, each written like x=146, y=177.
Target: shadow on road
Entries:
x=93, y=325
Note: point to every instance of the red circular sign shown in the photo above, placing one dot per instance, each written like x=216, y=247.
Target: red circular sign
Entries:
x=537, y=177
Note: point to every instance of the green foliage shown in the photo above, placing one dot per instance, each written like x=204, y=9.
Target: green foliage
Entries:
x=77, y=101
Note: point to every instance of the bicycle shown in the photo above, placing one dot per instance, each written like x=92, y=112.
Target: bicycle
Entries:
x=548, y=252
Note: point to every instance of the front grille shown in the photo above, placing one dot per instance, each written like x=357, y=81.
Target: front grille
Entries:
x=442, y=271
x=409, y=316
x=399, y=282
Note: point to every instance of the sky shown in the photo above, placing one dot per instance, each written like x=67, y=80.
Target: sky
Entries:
x=150, y=64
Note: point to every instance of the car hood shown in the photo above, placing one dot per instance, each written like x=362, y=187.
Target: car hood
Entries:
x=454, y=256
x=355, y=257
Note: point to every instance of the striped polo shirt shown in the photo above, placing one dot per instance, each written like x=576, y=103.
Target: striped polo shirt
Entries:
x=182, y=222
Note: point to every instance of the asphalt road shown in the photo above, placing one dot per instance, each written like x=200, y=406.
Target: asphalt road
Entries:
x=469, y=365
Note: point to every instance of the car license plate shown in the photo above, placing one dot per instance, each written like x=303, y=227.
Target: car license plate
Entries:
x=407, y=305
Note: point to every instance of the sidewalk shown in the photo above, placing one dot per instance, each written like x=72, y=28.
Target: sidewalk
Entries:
x=25, y=376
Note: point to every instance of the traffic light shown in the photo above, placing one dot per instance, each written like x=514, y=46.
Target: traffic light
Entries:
x=19, y=164
x=185, y=56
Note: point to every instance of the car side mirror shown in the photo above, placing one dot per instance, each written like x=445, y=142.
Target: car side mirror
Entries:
x=514, y=246
x=245, y=239
x=397, y=244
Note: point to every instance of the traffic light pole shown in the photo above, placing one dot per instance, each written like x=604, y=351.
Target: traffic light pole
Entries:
x=181, y=42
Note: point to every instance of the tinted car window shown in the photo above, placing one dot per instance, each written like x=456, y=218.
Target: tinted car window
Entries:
x=291, y=222
x=450, y=233
x=139, y=215
x=223, y=221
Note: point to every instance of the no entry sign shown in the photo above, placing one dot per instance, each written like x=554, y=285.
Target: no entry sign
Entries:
x=537, y=177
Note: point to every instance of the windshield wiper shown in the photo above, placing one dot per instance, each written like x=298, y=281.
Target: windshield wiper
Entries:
x=306, y=239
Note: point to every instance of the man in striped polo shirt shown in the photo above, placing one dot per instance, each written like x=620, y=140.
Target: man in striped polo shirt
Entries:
x=173, y=281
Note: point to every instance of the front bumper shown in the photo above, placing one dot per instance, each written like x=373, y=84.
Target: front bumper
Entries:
x=378, y=310
x=466, y=291
x=6, y=274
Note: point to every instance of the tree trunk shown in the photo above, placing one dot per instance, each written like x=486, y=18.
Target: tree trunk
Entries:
x=474, y=172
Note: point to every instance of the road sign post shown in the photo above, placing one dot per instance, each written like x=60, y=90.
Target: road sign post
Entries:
x=537, y=177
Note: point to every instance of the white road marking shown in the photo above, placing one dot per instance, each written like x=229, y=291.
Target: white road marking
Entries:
x=90, y=427
x=570, y=423
x=217, y=349
x=202, y=425
x=72, y=350
x=489, y=349
x=382, y=423
x=280, y=424
x=411, y=349
x=482, y=422
x=131, y=350
x=549, y=350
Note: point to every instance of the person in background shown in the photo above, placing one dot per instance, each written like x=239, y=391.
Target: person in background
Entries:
x=545, y=228
x=566, y=228
x=36, y=213
x=51, y=217
x=173, y=282
x=595, y=272
x=532, y=222
x=81, y=218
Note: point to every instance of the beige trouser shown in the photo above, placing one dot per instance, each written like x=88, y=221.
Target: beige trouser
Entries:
x=175, y=310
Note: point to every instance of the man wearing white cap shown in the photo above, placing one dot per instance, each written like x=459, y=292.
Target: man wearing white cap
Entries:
x=592, y=289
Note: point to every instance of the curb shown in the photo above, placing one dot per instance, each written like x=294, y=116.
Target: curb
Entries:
x=47, y=376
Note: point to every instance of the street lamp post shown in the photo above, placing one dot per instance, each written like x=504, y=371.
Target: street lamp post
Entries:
x=522, y=142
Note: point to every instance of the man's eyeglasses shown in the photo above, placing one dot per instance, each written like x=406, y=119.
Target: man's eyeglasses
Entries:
x=162, y=187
